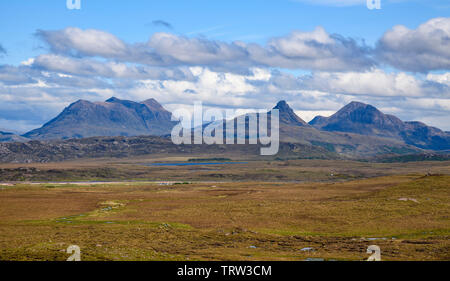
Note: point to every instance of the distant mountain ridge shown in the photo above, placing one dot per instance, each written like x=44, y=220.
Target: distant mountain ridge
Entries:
x=357, y=130
x=364, y=119
x=292, y=129
x=113, y=117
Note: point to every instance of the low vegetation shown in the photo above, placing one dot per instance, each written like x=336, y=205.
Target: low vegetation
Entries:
x=332, y=218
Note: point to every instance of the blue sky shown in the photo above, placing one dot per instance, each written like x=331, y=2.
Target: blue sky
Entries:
x=44, y=65
x=250, y=20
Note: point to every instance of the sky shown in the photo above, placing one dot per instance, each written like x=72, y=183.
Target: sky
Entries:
x=317, y=55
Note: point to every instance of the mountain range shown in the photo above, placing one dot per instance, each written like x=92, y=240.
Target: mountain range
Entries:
x=356, y=130
x=293, y=129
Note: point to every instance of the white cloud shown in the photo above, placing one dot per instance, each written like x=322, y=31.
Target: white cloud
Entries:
x=176, y=70
x=423, y=49
x=194, y=50
x=210, y=87
x=108, y=69
x=315, y=50
x=371, y=83
x=440, y=78
x=90, y=42
x=308, y=115
x=28, y=62
x=317, y=94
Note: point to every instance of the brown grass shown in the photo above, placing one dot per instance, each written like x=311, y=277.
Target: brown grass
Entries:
x=221, y=220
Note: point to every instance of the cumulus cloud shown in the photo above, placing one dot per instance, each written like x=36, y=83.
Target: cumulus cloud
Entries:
x=25, y=76
x=318, y=93
x=178, y=50
x=89, y=42
x=58, y=80
x=440, y=78
x=423, y=49
x=416, y=98
x=11, y=75
x=371, y=83
x=175, y=69
x=109, y=69
x=316, y=50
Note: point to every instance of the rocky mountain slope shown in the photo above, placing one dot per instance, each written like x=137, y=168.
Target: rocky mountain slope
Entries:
x=293, y=129
x=114, y=117
x=116, y=128
x=364, y=119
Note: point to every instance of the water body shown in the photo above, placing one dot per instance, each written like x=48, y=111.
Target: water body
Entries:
x=194, y=163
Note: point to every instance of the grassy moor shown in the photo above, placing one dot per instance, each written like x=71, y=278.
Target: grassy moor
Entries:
x=257, y=210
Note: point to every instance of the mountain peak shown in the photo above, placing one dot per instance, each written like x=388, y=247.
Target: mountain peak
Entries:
x=79, y=104
x=81, y=101
x=113, y=99
x=154, y=105
x=287, y=115
x=356, y=104
x=359, y=118
x=282, y=106
x=150, y=100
